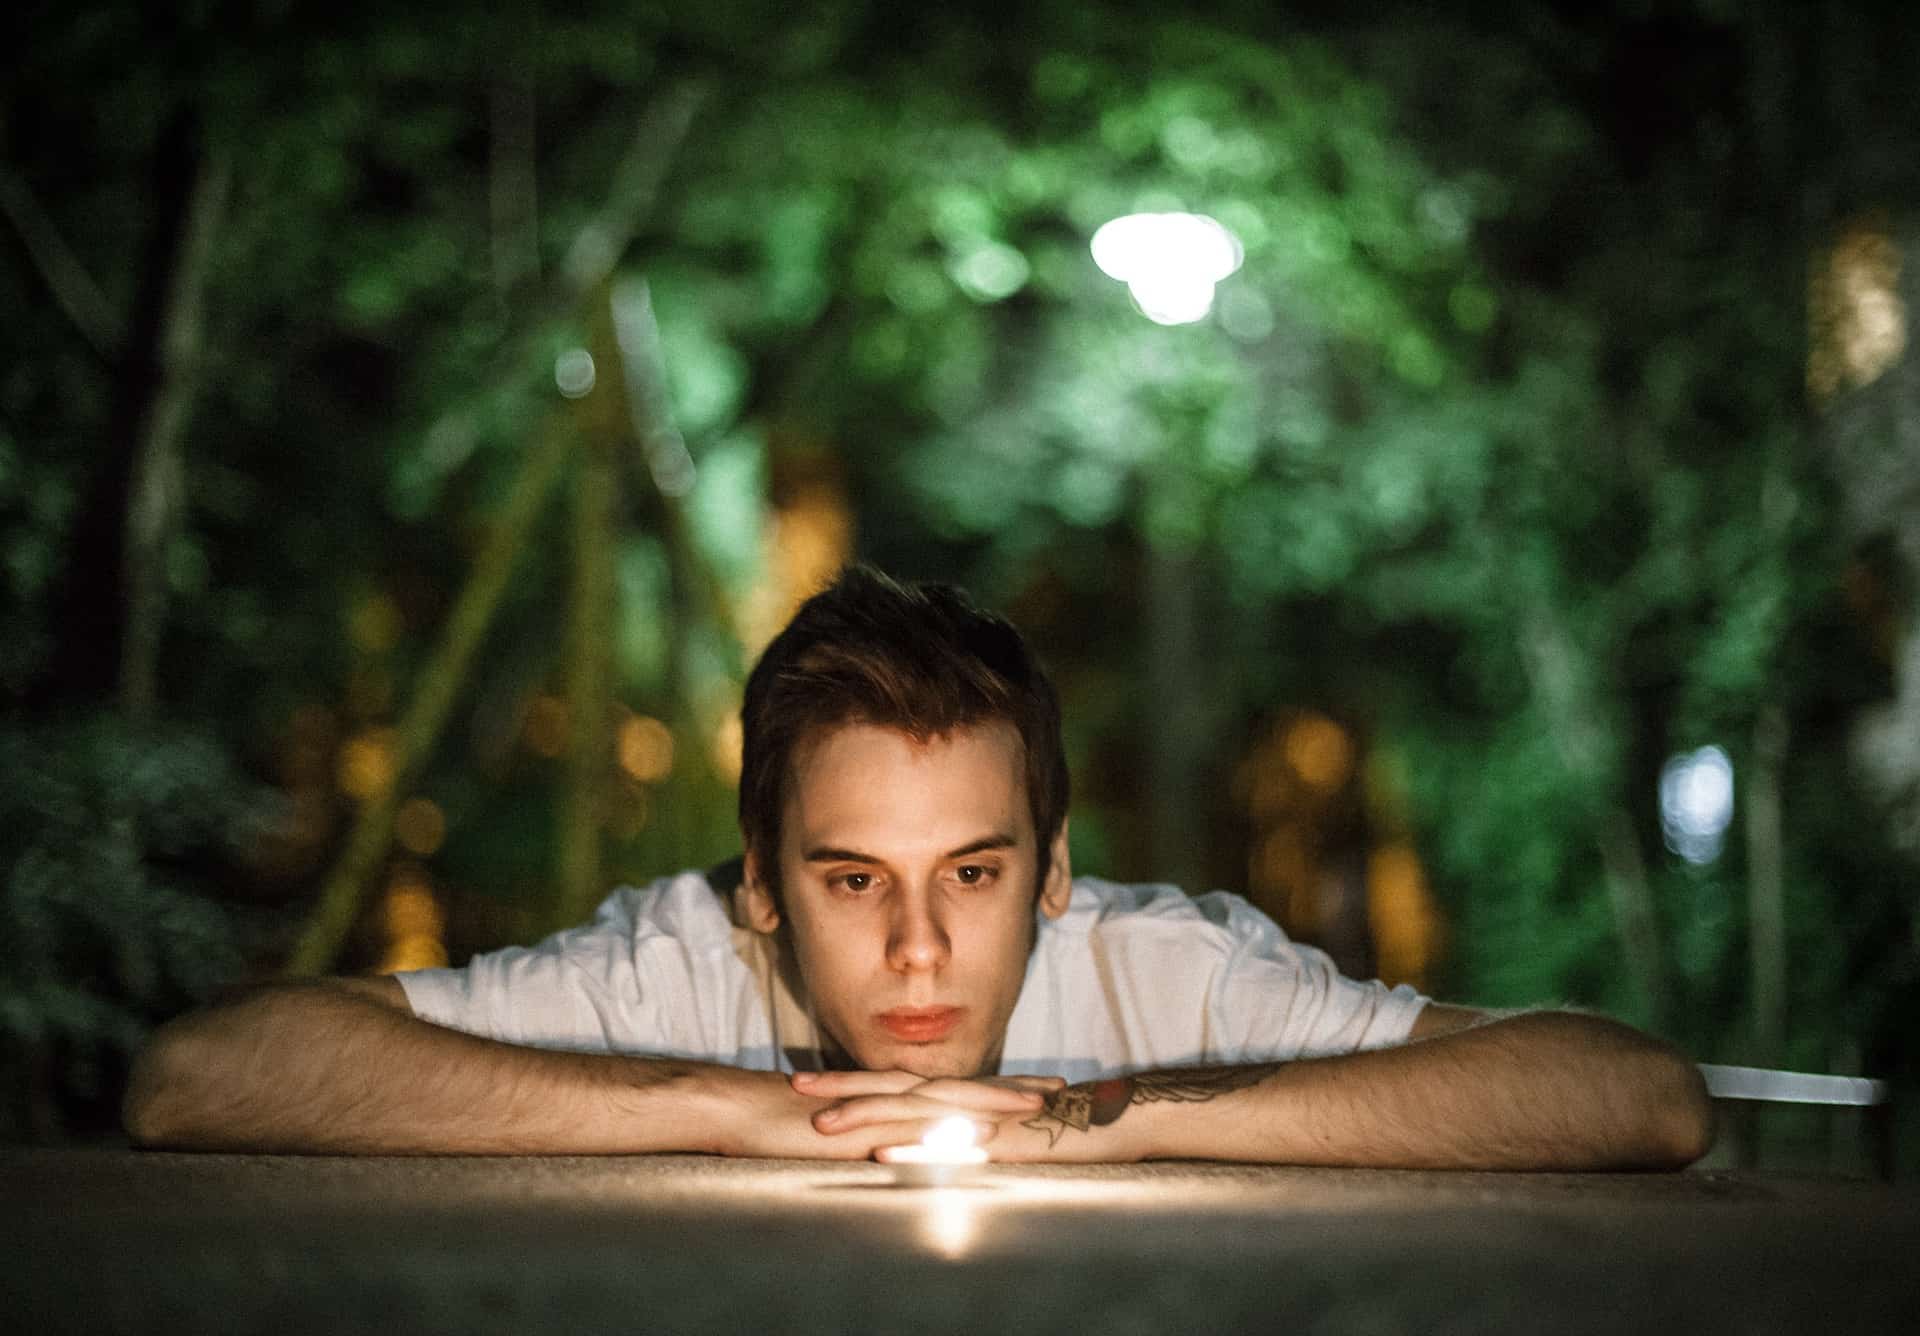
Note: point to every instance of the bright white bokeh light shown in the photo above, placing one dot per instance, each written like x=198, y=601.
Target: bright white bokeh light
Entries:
x=1696, y=803
x=573, y=372
x=1170, y=262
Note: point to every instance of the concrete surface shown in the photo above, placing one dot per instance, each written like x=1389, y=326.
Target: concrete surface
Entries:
x=108, y=1241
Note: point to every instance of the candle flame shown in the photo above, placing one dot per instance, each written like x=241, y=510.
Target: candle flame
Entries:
x=950, y=1136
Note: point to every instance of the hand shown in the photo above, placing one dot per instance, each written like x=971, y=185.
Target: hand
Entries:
x=886, y=1109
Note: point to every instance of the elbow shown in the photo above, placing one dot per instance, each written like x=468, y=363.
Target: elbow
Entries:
x=154, y=1111
x=1685, y=1128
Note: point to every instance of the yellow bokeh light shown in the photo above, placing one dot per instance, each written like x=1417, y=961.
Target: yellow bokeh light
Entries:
x=415, y=924
x=646, y=748
x=809, y=537
x=1320, y=752
x=414, y=953
x=420, y=826
x=367, y=763
x=1406, y=925
x=727, y=739
x=412, y=911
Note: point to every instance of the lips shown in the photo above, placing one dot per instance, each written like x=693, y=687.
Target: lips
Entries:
x=920, y=1025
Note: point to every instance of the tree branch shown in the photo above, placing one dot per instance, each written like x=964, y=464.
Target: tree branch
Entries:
x=597, y=247
x=159, y=476
x=60, y=269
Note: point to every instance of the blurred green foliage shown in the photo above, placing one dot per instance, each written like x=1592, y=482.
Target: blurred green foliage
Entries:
x=118, y=907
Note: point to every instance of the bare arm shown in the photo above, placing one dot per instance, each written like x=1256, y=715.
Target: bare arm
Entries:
x=342, y=1066
x=1540, y=1090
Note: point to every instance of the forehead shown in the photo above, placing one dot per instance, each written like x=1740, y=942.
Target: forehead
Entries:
x=863, y=785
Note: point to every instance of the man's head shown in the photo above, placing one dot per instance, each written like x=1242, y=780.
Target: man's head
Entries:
x=903, y=801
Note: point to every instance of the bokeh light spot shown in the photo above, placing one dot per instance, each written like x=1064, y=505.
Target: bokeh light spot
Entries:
x=367, y=763
x=646, y=749
x=1320, y=752
x=574, y=373
x=1696, y=803
x=1170, y=262
x=420, y=826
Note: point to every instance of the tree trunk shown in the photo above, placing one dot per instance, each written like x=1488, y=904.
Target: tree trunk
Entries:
x=1766, y=890
x=1176, y=719
x=111, y=583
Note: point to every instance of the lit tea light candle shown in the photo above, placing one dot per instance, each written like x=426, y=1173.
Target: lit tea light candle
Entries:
x=946, y=1155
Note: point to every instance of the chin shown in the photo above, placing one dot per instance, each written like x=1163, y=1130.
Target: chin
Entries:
x=928, y=1060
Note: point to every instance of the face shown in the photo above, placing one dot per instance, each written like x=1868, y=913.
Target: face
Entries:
x=907, y=873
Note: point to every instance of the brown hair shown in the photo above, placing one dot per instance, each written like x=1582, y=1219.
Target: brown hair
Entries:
x=920, y=658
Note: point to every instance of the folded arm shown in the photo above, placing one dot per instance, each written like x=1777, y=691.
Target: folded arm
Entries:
x=342, y=1066
x=1539, y=1090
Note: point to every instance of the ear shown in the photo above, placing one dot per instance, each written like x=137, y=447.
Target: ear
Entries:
x=763, y=915
x=1058, y=892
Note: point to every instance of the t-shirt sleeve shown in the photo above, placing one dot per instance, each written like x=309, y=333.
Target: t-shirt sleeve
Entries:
x=1275, y=999
x=576, y=990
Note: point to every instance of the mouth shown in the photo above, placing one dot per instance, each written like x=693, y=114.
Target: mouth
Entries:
x=920, y=1025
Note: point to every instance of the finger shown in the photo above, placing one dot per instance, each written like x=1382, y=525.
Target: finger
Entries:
x=874, y=1110
x=844, y=1085
x=1044, y=1084
x=981, y=1096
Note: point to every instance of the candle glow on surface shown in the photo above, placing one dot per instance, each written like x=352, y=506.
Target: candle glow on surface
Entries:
x=950, y=1224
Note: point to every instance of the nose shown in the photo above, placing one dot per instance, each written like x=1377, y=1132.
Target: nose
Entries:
x=916, y=941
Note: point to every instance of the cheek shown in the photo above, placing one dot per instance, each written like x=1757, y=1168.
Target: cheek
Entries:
x=1001, y=940
x=836, y=947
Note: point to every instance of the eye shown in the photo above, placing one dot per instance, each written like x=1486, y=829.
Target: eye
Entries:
x=856, y=882
x=974, y=874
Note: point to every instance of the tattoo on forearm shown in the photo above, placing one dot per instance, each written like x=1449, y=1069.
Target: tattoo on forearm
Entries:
x=1097, y=1103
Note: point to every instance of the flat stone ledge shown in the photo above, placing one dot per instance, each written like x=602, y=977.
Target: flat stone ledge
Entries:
x=120, y=1240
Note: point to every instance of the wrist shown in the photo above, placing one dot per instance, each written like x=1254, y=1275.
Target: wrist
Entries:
x=722, y=1110
x=663, y=1105
x=1202, y=1113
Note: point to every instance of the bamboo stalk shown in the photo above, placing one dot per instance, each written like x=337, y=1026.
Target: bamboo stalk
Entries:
x=1547, y=649
x=591, y=612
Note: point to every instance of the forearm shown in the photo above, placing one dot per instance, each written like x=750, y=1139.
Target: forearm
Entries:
x=319, y=1068
x=1547, y=1090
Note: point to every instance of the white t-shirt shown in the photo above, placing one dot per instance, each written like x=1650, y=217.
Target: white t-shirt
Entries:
x=1128, y=979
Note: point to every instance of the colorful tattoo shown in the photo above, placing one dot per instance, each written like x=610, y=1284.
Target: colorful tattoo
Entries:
x=1097, y=1103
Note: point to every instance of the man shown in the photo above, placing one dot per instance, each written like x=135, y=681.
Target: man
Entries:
x=904, y=941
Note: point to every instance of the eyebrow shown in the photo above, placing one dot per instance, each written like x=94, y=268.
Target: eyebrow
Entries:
x=830, y=854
